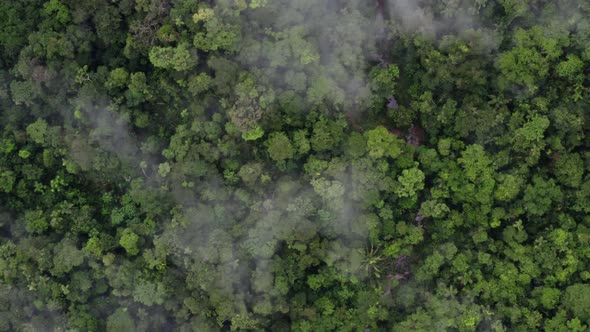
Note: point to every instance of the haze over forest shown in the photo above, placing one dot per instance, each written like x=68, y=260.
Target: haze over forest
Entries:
x=295, y=165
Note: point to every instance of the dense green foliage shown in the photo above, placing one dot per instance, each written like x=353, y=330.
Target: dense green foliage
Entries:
x=294, y=165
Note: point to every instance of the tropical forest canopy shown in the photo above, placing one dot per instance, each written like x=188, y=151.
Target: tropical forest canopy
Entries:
x=294, y=165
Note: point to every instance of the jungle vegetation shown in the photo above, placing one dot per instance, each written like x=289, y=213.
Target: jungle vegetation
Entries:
x=294, y=165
